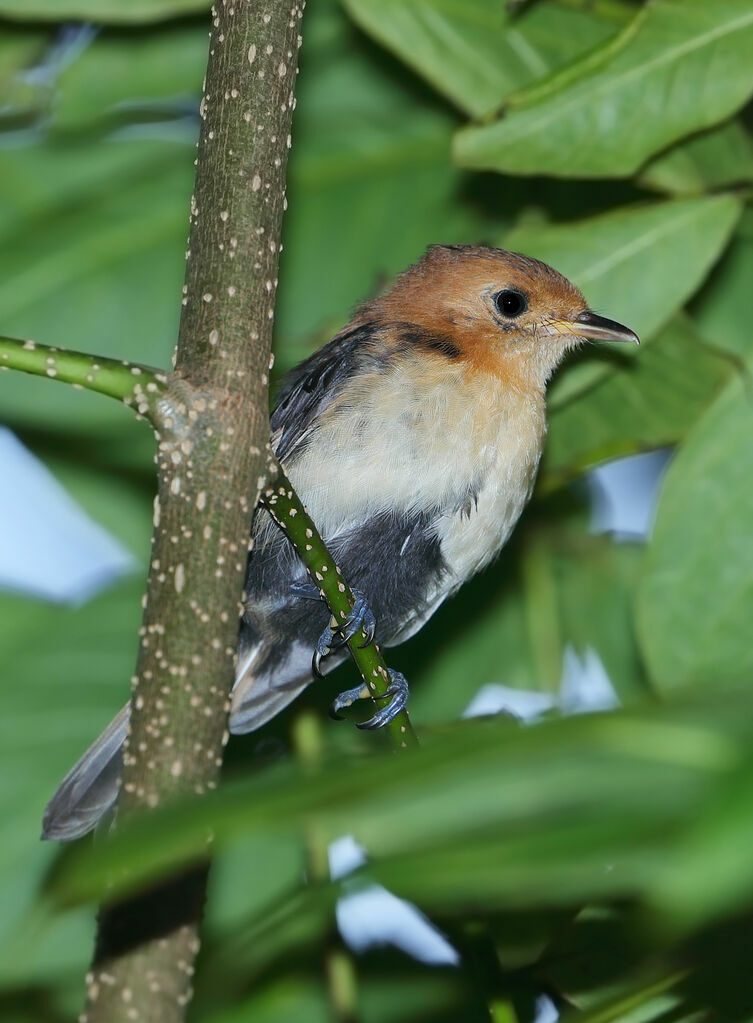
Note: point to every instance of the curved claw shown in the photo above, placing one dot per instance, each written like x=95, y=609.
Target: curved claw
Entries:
x=323, y=647
x=347, y=699
x=336, y=635
x=359, y=617
x=398, y=691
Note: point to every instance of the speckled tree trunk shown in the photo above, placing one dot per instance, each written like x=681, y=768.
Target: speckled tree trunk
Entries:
x=213, y=430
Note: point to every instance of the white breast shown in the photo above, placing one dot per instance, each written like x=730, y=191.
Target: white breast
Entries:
x=405, y=442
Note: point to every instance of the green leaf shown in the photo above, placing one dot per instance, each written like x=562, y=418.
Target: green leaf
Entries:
x=717, y=158
x=722, y=309
x=473, y=51
x=636, y=264
x=647, y=403
x=120, y=502
x=65, y=673
x=695, y=603
x=546, y=806
x=92, y=258
x=124, y=12
x=20, y=48
x=477, y=638
x=595, y=578
x=679, y=67
x=134, y=76
x=711, y=872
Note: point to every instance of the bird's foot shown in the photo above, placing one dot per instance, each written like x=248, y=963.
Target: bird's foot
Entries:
x=397, y=694
x=337, y=634
x=347, y=699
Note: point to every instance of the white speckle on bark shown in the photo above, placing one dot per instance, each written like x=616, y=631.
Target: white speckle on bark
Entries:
x=255, y=183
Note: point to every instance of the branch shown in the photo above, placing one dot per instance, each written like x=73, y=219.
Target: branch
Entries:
x=129, y=382
x=286, y=509
x=213, y=431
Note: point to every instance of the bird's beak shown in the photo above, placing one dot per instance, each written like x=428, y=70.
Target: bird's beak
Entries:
x=595, y=328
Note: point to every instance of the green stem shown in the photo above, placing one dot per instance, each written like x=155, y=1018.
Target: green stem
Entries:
x=286, y=509
x=338, y=963
x=128, y=382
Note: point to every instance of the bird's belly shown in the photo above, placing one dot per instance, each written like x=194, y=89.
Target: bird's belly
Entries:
x=471, y=539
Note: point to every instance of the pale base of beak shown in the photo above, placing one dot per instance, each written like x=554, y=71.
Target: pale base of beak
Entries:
x=593, y=327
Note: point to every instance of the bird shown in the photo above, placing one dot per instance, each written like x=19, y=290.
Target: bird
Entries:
x=413, y=438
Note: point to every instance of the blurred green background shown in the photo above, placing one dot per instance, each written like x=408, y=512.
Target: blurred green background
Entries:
x=604, y=860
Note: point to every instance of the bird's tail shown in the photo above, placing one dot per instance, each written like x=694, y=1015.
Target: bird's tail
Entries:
x=90, y=788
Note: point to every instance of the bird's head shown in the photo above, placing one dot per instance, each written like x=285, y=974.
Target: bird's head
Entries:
x=500, y=311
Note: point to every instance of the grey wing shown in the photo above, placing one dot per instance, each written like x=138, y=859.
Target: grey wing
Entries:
x=280, y=627
x=309, y=388
x=91, y=786
x=395, y=561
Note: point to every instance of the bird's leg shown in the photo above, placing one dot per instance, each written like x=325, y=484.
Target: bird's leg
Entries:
x=397, y=694
x=337, y=633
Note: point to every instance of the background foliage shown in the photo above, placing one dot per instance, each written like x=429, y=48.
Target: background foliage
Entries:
x=602, y=860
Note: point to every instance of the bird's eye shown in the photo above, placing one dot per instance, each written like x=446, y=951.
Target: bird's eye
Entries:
x=511, y=303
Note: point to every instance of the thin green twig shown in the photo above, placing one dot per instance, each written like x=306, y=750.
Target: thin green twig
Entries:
x=133, y=384
x=286, y=509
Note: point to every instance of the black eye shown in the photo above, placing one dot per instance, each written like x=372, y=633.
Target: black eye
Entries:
x=511, y=303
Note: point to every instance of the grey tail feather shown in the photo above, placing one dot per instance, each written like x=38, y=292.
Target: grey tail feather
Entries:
x=91, y=786
x=251, y=715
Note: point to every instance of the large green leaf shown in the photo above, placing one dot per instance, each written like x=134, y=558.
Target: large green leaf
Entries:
x=722, y=308
x=696, y=599
x=473, y=51
x=679, y=67
x=20, y=48
x=115, y=11
x=717, y=158
x=64, y=674
x=637, y=264
x=647, y=403
x=484, y=811
x=711, y=873
x=134, y=76
x=91, y=259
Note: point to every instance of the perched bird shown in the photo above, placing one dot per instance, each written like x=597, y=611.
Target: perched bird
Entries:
x=413, y=438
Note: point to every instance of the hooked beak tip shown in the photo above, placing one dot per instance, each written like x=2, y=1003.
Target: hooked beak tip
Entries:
x=598, y=328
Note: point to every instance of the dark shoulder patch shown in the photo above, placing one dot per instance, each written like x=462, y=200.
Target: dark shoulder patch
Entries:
x=412, y=336
x=310, y=387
